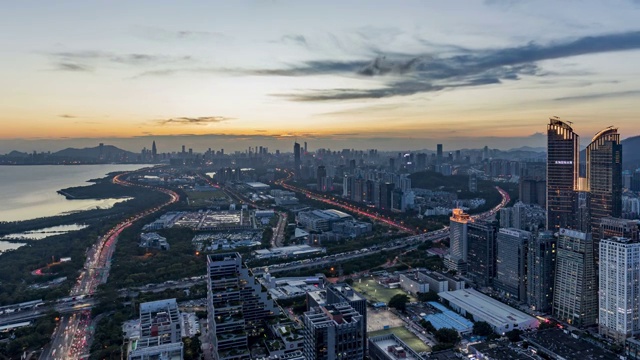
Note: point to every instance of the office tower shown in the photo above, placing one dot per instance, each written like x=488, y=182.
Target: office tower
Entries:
x=481, y=252
x=514, y=217
x=160, y=333
x=604, y=178
x=533, y=190
x=370, y=191
x=237, y=306
x=635, y=181
x=485, y=153
x=347, y=186
x=458, y=242
x=396, y=200
x=321, y=176
x=297, y=164
x=562, y=174
x=541, y=266
x=392, y=164
x=575, y=299
x=305, y=147
x=405, y=183
x=154, y=151
x=619, y=313
x=333, y=332
x=386, y=190
x=439, y=153
x=421, y=162
x=511, y=262
x=616, y=227
x=358, y=189
x=342, y=293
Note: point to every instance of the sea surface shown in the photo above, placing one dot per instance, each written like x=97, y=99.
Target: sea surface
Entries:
x=30, y=191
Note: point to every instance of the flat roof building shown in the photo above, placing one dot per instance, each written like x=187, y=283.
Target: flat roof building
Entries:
x=557, y=344
x=501, y=317
x=160, y=332
x=333, y=332
x=390, y=347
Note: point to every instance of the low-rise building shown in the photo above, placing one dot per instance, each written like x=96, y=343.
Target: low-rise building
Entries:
x=390, y=347
x=160, y=334
x=322, y=220
x=412, y=284
x=153, y=241
x=560, y=345
x=502, y=317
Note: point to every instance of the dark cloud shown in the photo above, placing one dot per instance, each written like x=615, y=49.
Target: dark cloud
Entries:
x=203, y=120
x=428, y=73
x=67, y=116
x=598, y=96
x=67, y=66
x=87, y=60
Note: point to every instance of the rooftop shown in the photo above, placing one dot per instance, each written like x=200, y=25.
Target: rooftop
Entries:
x=492, y=311
x=566, y=346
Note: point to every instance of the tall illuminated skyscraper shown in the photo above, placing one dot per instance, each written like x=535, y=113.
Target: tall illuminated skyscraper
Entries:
x=604, y=178
x=562, y=174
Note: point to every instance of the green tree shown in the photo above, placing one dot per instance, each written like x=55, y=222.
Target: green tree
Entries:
x=428, y=296
x=428, y=326
x=447, y=335
x=399, y=302
x=514, y=335
x=482, y=328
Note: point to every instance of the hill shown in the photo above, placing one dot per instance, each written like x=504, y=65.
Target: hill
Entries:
x=631, y=153
x=106, y=152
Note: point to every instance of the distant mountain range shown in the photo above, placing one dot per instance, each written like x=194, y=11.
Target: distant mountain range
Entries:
x=93, y=153
x=107, y=151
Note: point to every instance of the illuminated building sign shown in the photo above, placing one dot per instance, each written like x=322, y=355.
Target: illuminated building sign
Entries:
x=564, y=162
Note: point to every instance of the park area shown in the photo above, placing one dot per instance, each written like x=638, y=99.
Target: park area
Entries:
x=205, y=198
x=374, y=292
x=405, y=335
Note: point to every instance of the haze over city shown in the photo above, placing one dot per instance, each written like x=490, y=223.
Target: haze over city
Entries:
x=388, y=75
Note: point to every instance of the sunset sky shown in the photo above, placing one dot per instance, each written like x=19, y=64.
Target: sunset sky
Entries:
x=340, y=74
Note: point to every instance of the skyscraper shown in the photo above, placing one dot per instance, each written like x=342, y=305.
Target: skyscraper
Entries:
x=296, y=159
x=562, y=174
x=619, y=313
x=511, y=262
x=154, y=151
x=439, y=153
x=604, y=177
x=458, y=242
x=541, y=266
x=575, y=298
x=236, y=306
x=481, y=252
x=321, y=178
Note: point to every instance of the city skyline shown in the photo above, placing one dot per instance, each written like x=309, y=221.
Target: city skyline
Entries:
x=391, y=76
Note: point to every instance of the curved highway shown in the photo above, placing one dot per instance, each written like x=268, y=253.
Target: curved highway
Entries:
x=69, y=340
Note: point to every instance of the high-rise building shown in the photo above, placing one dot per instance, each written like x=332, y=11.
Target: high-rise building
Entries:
x=481, y=252
x=619, y=302
x=236, y=306
x=160, y=332
x=604, y=177
x=458, y=242
x=511, y=262
x=154, y=151
x=333, y=332
x=342, y=293
x=439, y=153
x=616, y=227
x=541, y=266
x=575, y=298
x=321, y=177
x=386, y=191
x=562, y=174
x=297, y=163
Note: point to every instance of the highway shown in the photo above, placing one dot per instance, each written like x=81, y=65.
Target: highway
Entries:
x=408, y=241
x=69, y=340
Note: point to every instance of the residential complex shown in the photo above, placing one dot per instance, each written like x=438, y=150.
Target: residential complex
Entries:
x=332, y=332
x=619, y=302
